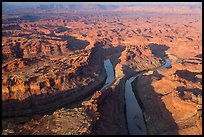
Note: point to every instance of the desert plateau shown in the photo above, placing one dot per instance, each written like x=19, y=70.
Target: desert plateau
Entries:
x=101, y=68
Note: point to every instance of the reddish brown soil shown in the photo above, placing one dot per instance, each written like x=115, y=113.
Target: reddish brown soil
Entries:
x=55, y=58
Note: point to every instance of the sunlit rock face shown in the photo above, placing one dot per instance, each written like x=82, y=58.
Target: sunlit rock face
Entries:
x=53, y=55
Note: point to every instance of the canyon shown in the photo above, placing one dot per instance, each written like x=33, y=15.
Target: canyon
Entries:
x=65, y=69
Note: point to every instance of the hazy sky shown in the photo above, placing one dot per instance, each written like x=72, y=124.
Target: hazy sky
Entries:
x=111, y=3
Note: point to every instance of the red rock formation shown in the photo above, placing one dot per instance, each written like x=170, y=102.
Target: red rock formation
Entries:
x=50, y=56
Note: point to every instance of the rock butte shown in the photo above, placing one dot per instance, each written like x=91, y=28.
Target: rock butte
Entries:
x=52, y=68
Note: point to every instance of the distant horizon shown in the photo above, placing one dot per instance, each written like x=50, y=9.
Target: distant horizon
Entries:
x=109, y=3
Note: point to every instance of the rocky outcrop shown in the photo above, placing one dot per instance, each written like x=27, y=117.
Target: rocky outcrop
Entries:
x=37, y=93
x=53, y=58
x=109, y=107
x=169, y=106
x=139, y=58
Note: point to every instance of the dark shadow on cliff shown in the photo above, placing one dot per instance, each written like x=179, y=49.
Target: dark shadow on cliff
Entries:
x=115, y=53
x=158, y=50
x=188, y=75
x=109, y=51
x=112, y=112
x=152, y=104
x=73, y=42
x=39, y=104
x=199, y=56
x=34, y=104
x=48, y=103
x=76, y=44
x=182, y=95
x=111, y=109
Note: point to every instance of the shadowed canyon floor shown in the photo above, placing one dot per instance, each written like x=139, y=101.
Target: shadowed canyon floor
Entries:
x=53, y=70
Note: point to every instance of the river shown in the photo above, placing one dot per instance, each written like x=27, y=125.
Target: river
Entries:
x=110, y=73
x=134, y=114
